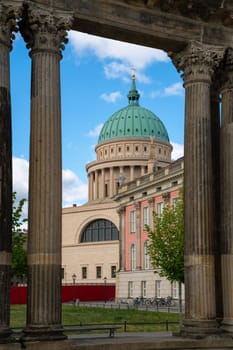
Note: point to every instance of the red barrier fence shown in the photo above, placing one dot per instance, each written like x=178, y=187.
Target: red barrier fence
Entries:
x=83, y=292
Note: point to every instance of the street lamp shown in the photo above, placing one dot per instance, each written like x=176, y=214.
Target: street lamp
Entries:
x=74, y=279
x=105, y=289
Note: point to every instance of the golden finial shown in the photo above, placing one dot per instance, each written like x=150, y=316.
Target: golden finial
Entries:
x=133, y=73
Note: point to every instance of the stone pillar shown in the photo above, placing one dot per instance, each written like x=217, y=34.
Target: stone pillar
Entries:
x=102, y=189
x=111, y=181
x=44, y=33
x=132, y=173
x=8, y=15
x=121, y=213
x=198, y=62
x=215, y=128
x=226, y=171
x=96, y=185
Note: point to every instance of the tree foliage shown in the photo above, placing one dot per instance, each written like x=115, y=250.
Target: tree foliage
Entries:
x=166, y=247
x=19, y=240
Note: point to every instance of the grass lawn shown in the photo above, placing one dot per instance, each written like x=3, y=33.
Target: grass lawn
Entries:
x=76, y=315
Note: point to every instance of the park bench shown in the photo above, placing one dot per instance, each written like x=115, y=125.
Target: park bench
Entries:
x=101, y=327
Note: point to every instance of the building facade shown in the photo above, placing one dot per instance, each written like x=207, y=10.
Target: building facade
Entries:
x=105, y=240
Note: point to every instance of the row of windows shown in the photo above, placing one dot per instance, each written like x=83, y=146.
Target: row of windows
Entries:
x=133, y=261
x=145, y=215
x=128, y=149
x=99, y=272
x=158, y=287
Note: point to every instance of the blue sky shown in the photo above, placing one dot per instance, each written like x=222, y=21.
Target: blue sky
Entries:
x=95, y=80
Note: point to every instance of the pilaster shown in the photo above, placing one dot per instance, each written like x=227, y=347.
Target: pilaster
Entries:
x=121, y=213
x=226, y=200
x=198, y=63
x=138, y=236
x=8, y=14
x=44, y=33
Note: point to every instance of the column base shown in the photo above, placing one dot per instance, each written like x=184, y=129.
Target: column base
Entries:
x=227, y=328
x=43, y=333
x=200, y=329
x=5, y=335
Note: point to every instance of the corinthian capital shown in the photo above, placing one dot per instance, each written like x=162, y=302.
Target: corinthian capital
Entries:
x=198, y=61
x=9, y=12
x=44, y=29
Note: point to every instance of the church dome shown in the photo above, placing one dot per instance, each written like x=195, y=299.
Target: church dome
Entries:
x=133, y=121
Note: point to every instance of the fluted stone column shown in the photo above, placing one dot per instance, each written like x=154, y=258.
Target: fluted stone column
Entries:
x=8, y=13
x=45, y=34
x=226, y=168
x=215, y=127
x=198, y=63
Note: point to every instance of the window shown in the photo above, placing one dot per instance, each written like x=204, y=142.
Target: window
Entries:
x=136, y=148
x=113, y=271
x=145, y=217
x=130, y=289
x=133, y=256
x=145, y=148
x=143, y=289
x=174, y=200
x=159, y=208
x=157, y=288
x=133, y=221
x=146, y=255
x=100, y=230
x=84, y=272
x=119, y=149
x=98, y=272
x=175, y=289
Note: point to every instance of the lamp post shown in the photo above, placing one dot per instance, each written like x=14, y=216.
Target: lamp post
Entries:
x=105, y=289
x=74, y=280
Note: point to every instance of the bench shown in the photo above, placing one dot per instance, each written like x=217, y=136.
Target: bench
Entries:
x=101, y=327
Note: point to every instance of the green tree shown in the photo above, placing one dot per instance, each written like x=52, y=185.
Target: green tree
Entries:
x=166, y=246
x=19, y=241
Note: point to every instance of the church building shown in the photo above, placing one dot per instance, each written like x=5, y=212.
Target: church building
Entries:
x=132, y=176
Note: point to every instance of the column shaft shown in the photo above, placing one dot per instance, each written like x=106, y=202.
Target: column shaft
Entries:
x=8, y=15
x=45, y=173
x=198, y=63
x=5, y=189
x=226, y=167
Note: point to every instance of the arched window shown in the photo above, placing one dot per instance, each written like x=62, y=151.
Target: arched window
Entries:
x=133, y=257
x=146, y=255
x=100, y=230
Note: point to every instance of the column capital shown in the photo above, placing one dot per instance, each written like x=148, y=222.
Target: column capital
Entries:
x=9, y=12
x=198, y=61
x=44, y=29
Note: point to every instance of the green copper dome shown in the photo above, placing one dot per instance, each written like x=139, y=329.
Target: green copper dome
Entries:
x=133, y=121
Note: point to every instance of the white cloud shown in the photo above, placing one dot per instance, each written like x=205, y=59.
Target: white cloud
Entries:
x=95, y=132
x=73, y=189
x=175, y=89
x=123, y=55
x=178, y=150
x=20, y=177
x=112, y=97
